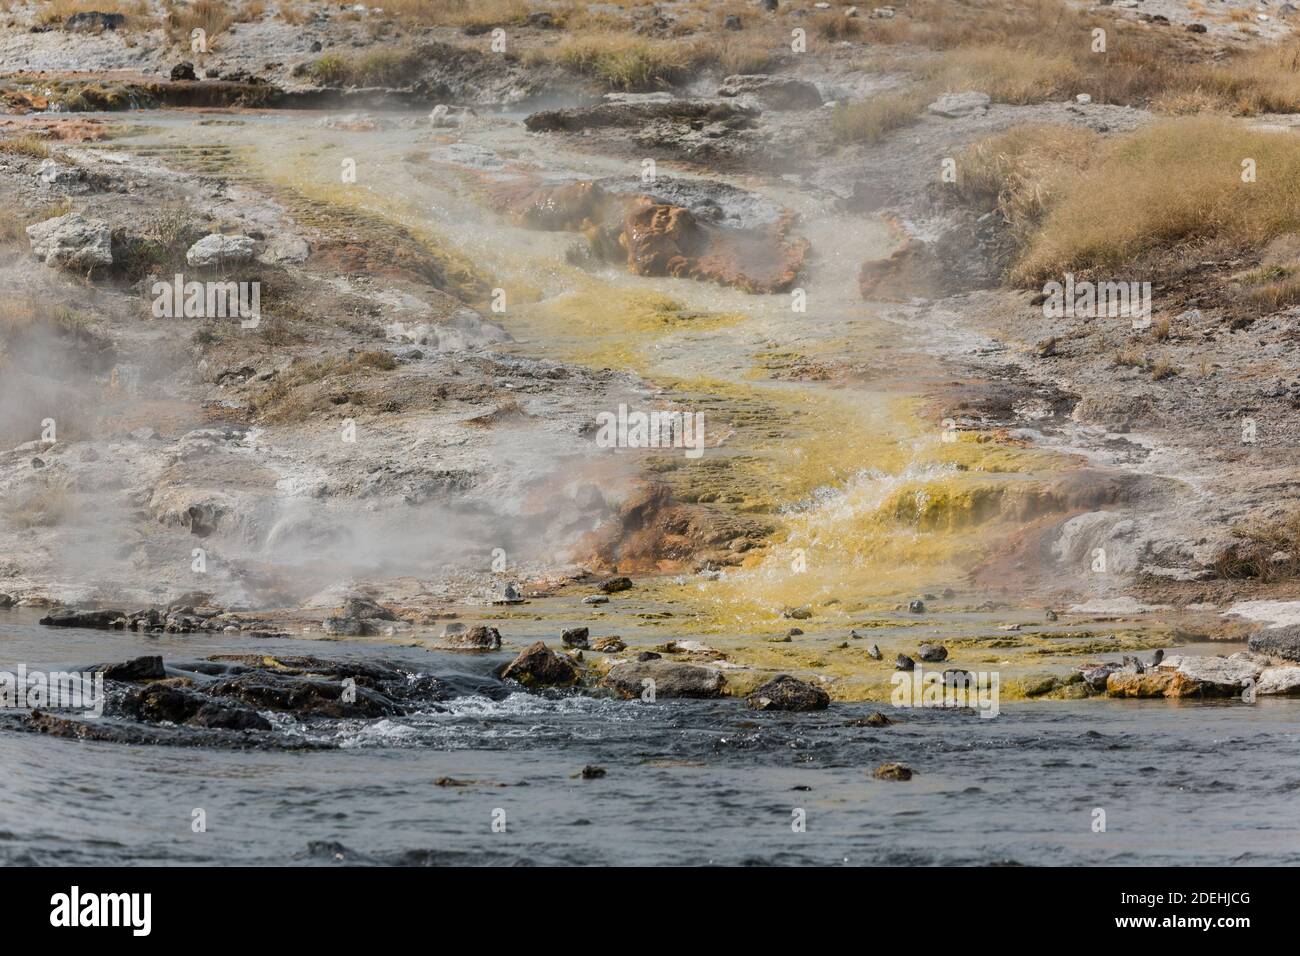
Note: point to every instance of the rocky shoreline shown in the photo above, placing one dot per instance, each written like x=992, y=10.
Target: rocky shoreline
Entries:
x=216, y=450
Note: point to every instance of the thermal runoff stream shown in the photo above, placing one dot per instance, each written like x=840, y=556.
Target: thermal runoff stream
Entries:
x=657, y=434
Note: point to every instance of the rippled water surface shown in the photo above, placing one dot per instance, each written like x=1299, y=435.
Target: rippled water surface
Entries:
x=687, y=782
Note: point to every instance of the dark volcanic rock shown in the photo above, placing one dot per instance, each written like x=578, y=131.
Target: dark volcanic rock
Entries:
x=784, y=692
x=158, y=702
x=933, y=653
x=614, y=585
x=671, y=679
x=1283, y=642
x=539, y=666
x=305, y=696
x=636, y=114
x=364, y=609
x=216, y=702
x=92, y=21
x=180, y=705
x=214, y=715
x=141, y=668
x=904, y=663
x=183, y=71
x=575, y=637
x=1095, y=677
x=113, y=732
x=91, y=618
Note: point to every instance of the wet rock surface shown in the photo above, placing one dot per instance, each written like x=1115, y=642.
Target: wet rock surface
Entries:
x=667, y=679
x=1281, y=642
x=244, y=701
x=1157, y=684
x=539, y=666
x=637, y=113
x=480, y=637
x=784, y=692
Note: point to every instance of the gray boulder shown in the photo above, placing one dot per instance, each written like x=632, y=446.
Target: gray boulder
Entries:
x=671, y=679
x=957, y=105
x=1220, y=674
x=772, y=92
x=284, y=248
x=1275, y=681
x=1095, y=677
x=217, y=249
x=450, y=117
x=72, y=242
x=1283, y=642
x=56, y=174
x=366, y=610
x=480, y=637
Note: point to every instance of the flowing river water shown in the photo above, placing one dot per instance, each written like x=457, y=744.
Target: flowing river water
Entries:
x=687, y=782
x=857, y=481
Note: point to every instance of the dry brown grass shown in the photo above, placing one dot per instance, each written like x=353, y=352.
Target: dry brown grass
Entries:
x=57, y=11
x=624, y=62
x=1020, y=173
x=1272, y=286
x=1263, y=80
x=12, y=227
x=736, y=53
x=26, y=145
x=1266, y=549
x=1007, y=74
x=302, y=391
x=1130, y=357
x=294, y=14
x=210, y=16
x=1172, y=182
x=43, y=504
x=14, y=222
x=1162, y=368
x=833, y=25
x=1042, y=49
x=376, y=68
x=872, y=120
x=471, y=14
x=249, y=11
